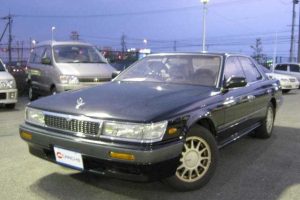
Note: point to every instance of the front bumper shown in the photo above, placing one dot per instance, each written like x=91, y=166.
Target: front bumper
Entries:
x=151, y=163
x=8, y=96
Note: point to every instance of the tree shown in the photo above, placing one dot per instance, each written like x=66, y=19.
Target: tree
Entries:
x=74, y=35
x=258, y=52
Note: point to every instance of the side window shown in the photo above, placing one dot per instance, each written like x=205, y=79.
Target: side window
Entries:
x=252, y=74
x=47, y=53
x=233, y=68
x=294, y=68
x=38, y=53
x=281, y=67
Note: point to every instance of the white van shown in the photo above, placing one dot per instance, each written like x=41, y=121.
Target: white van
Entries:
x=60, y=66
x=8, y=91
x=292, y=69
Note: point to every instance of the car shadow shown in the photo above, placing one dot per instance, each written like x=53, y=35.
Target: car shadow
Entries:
x=248, y=169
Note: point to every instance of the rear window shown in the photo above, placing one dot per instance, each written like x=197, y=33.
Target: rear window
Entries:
x=294, y=68
x=281, y=67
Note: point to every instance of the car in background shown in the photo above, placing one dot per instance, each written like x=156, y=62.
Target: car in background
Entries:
x=164, y=117
x=19, y=71
x=55, y=67
x=292, y=69
x=287, y=82
x=8, y=91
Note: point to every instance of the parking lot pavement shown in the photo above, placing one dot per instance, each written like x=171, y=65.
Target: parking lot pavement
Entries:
x=248, y=169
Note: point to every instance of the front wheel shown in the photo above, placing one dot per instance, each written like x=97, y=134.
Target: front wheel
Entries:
x=265, y=130
x=32, y=94
x=198, y=161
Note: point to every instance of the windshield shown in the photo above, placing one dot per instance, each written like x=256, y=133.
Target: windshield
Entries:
x=182, y=69
x=77, y=54
x=2, y=69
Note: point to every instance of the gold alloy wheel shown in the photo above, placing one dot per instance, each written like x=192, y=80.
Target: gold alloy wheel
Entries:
x=195, y=160
x=270, y=119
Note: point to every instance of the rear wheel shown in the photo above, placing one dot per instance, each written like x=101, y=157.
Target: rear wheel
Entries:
x=285, y=91
x=265, y=130
x=32, y=95
x=198, y=161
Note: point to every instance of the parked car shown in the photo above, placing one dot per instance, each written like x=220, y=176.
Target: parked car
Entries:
x=18, y=70
x=8, y=91
x=292, y=69
x=55, y=67
x=287, y=82
x=164, y=117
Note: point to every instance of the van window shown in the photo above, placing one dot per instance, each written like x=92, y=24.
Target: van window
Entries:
x=37, y=54
x=2, y=69
x=281, y=67
x=47, y=53
x=294, y=68
x=250, y=70
x=77, y=54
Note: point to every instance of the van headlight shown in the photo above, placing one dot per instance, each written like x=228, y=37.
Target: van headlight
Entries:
x=8, y=84
x=67, y=79
x=34, y=116
x=135, y=132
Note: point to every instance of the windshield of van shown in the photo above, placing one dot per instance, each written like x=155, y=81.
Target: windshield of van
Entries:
x=179, y=69
x=77, y=54
x=2, y=69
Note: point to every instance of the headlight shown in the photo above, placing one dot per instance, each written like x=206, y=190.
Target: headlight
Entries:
x=284, y=80
x=67, y=79
x=135, y=132
x=7, y=84
x=34, y=116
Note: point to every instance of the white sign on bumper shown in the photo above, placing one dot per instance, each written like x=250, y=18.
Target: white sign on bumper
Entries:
x=68, y=158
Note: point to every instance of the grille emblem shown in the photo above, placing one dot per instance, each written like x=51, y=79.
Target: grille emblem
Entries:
x=80, y=103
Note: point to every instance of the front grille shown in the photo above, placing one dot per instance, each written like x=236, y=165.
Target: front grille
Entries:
x=93, y=80
x=2, y=95
x=72, y=125
x=292, y=80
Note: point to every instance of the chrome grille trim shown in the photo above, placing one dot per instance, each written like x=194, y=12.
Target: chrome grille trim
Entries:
x=81, y=126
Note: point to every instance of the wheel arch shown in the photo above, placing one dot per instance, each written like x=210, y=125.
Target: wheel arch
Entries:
x=207, y=123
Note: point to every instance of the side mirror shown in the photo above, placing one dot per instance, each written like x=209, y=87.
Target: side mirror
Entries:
x=234, y=82
x=115, y=74
x=46, y=61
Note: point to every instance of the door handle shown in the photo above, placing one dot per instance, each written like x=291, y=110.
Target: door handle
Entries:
x=229, y=102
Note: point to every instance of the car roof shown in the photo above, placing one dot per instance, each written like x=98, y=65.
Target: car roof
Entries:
x=198, y=53
x=54, y=43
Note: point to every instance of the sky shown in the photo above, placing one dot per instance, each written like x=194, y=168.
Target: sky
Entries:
x=232, y=25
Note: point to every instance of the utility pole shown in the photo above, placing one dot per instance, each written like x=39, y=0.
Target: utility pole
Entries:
x=175, y=46
x=299, y=36
x=293, y=28
x=9, y=26
x=123, y=44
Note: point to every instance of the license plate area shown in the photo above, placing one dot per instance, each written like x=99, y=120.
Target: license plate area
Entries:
x=68, y=158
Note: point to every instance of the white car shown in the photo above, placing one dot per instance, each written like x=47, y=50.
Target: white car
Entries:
x=287, y=82
x=8, y=91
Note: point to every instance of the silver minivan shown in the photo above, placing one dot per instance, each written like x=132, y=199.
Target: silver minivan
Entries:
x=292, y=69
x=55, y=67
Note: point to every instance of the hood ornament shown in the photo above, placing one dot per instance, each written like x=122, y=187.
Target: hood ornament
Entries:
x=79, y=102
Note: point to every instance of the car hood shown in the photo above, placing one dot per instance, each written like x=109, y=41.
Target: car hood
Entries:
x=5, y=75
x=126, y=101
x=86, y=69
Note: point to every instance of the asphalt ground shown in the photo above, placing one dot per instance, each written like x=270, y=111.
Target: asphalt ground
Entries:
x=248, y=169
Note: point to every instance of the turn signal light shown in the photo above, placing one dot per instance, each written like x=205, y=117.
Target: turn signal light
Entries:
x=172, y=131
x=25, y=135
x=121, y=156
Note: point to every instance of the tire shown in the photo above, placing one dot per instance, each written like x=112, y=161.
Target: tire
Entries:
x=10, y=105
x=198, y=161
x=53, y=90
x=285, y=91
x=32, y=95
x=266, y=129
